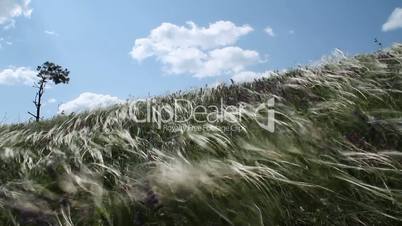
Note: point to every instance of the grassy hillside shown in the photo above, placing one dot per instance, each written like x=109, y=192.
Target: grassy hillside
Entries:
x=335, y=157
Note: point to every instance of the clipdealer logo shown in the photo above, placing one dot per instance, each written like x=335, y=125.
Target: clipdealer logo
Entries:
x=183, y=111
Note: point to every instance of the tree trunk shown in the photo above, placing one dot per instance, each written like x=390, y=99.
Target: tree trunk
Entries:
x=39, y=100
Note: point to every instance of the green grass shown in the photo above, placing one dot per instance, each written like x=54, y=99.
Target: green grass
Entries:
x=334, y=159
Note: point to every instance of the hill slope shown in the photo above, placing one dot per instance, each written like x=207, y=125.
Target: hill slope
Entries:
x=335, y=157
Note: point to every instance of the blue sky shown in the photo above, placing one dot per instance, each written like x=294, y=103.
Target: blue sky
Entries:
x=112, y=55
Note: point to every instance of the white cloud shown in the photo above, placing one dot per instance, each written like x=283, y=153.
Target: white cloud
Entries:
x=225, y=60
x=10, y=9
x=269, y=31
x=168, y=37
x=249, y=76
x=51, y=101
x=199, y=51
x=87, y=102
x=17, y=76
x=228, y=60
x=4, y=42
x=394, y=21
x=51, y=33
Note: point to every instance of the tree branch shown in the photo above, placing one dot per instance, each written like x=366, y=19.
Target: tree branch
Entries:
x=32, y=114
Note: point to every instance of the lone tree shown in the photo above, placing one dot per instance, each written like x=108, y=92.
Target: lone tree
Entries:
x=47, y=72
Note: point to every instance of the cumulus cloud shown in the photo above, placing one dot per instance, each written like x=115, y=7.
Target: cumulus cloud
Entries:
x=17, y=76
x=249, y=76
x=225, y=60
x=10, y=9
x=199, y=51
x=87, y=102
x=269, y=31
x=394, y=21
